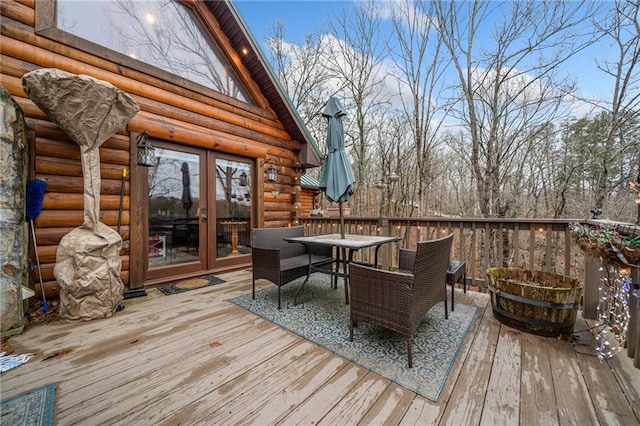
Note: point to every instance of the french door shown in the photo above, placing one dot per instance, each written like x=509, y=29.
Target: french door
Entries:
x=199, y=211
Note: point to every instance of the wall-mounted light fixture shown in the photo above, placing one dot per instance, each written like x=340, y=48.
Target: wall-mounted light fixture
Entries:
x=275, y=193
x=244, y=179
x=146, y=151
x=272, y=173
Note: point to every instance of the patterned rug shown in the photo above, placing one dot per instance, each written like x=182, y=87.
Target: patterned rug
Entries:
x=322, y=317
x=35, y=407
x=190, y=284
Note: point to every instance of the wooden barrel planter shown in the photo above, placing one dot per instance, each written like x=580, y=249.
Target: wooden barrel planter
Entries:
x=537, y=302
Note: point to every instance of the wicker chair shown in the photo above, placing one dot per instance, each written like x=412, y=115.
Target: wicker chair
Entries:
x=281, y=262
x=399, y=300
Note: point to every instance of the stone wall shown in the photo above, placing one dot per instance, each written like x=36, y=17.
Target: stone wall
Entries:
x=13, y=228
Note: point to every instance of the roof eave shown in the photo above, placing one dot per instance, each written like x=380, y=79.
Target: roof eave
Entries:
x=240, y=37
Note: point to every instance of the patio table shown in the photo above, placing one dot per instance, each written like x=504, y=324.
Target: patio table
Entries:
x=348, y=245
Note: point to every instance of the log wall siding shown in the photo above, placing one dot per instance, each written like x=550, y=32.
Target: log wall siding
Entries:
x=307, y=197
x=168, y=111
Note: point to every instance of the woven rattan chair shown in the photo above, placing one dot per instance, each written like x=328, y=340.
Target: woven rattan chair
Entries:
x=399, y=300
x=279, y=261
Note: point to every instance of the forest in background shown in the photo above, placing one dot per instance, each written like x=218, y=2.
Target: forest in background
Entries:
x=475, y=106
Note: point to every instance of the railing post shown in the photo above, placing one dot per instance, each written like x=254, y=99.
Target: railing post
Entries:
x=385, y=255
x=591, y=294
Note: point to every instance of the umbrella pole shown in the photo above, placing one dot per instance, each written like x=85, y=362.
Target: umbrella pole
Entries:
x=341, y=220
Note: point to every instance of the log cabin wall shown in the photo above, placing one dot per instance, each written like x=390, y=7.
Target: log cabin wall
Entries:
x=183, y=113
x=308, y=201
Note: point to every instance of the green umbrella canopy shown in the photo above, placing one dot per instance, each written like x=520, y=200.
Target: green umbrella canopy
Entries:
x=337, y=179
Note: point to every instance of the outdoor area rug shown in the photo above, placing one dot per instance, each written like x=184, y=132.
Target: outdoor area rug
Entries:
x=322, y=317
x=190, y=284
x=35, y=407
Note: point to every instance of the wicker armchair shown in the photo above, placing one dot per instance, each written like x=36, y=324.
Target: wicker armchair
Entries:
x=399, y=300
x=279, y=261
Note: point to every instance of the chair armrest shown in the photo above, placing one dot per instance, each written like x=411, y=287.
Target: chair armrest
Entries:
x=379, y=287
x=265, y=250
x=265, y=259
x=406, y=259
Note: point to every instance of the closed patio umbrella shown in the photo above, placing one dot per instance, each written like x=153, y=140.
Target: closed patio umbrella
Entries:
x=187, y=201
x=337, y=179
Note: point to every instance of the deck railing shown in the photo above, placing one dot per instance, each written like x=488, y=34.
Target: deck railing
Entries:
x=536, y=244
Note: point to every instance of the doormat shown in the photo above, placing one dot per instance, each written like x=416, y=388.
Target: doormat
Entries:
x=190, y=284
x=35, y=407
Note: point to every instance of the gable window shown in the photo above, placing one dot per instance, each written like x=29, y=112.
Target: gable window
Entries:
x=164, y=33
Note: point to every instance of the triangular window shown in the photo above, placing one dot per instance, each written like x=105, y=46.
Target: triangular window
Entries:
x=164, y=33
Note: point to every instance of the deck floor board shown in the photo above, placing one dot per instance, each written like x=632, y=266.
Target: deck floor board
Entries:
x=196, y=358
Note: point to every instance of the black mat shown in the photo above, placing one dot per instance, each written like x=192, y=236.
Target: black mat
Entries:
x=182, y=285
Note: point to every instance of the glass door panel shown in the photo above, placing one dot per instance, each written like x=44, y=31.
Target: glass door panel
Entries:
x=174, y=209
x=233, y=207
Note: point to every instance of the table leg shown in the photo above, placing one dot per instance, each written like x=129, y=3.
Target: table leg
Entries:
x=346, y=275
x=295, y=296
x=453, y=286
x=375, y=262
x=334, y=278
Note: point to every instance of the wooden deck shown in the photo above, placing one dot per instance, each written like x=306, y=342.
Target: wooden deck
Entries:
x=195, y=358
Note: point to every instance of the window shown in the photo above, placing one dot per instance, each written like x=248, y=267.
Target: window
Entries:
x=162, y=33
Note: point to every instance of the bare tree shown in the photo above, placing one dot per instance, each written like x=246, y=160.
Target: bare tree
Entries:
x=510, y=152
x=508, y=86
x=303, y=73
x=356, y=56
x=420, y=72
x=622, y=28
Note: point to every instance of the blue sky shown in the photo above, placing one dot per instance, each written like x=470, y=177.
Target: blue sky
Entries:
x=299, y=16
x=306, y=16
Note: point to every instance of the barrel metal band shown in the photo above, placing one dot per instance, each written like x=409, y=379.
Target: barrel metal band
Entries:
x=534, y=302
x=531, y=320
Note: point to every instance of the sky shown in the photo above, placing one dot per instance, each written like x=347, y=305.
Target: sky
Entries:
x=306, y=16
x=299, y=16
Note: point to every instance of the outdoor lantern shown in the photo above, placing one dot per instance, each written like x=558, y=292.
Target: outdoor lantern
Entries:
x=272, y=173
x=146, y=152
x=244, y=181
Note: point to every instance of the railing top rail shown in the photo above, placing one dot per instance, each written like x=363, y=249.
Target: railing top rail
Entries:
x=528, y=243
x=451, y=219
